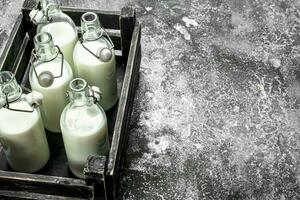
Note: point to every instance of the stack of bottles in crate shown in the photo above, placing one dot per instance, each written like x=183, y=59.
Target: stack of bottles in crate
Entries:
x=73, y=81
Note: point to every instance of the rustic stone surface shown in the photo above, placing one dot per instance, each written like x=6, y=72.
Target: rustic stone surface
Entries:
x=216, y=114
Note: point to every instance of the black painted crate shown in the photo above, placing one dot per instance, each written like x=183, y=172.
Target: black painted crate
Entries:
x=55, y=181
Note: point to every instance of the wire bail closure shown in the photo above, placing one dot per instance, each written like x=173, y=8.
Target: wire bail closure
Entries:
x=95, y=93
x=104, y=54
x=45, y=14
x=46, y=78
x=34, y=99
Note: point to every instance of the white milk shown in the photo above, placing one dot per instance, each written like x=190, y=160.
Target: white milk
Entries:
x=64, y=36
x=84, y=131
x=96, y=72
x=23, y=138
x=54, y=96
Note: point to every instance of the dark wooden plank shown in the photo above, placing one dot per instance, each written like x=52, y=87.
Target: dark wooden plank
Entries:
x=115, y=179
x=20, y=54
x=130, y=70
x=94, y=172
x=124, y=111
x=14, y=195
x=34, y=183
x=127, y=23
x=20, y=64
x=11, y=48
x=108, y=19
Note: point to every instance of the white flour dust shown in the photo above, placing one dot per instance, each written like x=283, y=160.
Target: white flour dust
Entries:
x=189, y=22
x=183, y=31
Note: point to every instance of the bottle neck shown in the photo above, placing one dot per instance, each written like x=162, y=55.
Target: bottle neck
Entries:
x=51, y=6
x=44, y=47
x=90, y=27
x=9, y=88
x=79, y=93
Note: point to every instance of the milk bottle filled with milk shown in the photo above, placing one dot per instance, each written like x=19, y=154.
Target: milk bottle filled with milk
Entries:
x=94, y=59
x=84, y=125
x=50, y=74
x=22, y=133
x=63, y=30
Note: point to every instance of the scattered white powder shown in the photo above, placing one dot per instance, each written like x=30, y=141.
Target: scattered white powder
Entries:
x=159, y=145
x=275, y=62
x=183, y=31
x=148, y=8
x=195, y=128
x=189, y=22
x=241, y=25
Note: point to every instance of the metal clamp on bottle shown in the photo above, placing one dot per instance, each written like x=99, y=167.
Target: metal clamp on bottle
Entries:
x=34, y=99
x=38, y=15
x=95, y=93
x=46, y=78
x=104, y=54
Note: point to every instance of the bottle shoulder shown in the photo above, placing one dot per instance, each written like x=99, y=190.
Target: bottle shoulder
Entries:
x=90, y=111
x=16, y=122
x=79, y=119
x=62, y=30
x=59, y=17
x=93, y=46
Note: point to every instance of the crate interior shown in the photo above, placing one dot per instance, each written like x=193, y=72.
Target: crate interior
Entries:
x=57, y=164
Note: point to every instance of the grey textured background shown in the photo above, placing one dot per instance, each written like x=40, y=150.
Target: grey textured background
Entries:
x=216, y=114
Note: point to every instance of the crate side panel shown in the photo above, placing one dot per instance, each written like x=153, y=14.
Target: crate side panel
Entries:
x=14, y=195
x=121, y=130
x=45, y=184
x=127, y=23
x=13, y=44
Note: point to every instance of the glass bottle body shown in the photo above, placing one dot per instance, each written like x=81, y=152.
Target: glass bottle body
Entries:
x=90, y=67
x=54, y=95
x=22, y=136
x=84, y=130
x=62, y=29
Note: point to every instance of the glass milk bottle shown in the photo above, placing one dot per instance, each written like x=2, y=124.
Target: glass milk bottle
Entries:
x=22, y=134
x=94, y=59
x=50, y=75
x=84, y=126
x=63, y=30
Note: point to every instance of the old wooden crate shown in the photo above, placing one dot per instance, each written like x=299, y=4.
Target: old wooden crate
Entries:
x=55, y=181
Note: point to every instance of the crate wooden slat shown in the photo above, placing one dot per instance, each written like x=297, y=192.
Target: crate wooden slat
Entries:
x=46, y=185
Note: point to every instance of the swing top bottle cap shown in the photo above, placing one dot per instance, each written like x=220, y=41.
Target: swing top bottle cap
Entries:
x=104, y=54
x=46, y=79
x=36, y=16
